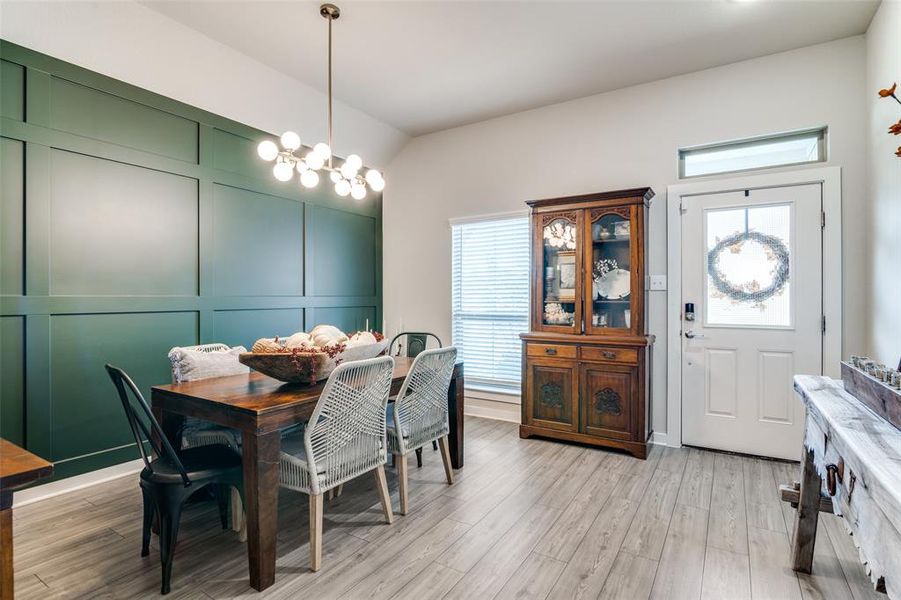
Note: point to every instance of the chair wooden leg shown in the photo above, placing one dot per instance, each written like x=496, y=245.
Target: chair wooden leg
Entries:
x=315, y=532
x=338, y=490
x=149, y=511
x=237, y=511
x=382, y=484
x=401, y=461
x=446, y=459
x=419, y=458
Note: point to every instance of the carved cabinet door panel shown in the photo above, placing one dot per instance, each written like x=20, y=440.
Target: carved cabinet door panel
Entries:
x=551, y=398
x=607, y=400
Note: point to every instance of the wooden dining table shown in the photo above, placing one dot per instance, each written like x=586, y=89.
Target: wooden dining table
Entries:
x=260, y=407
x=18, y=468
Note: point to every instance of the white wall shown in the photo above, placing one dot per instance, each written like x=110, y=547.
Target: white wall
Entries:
x=884, y=181
x=621, y=139
x=138, y=45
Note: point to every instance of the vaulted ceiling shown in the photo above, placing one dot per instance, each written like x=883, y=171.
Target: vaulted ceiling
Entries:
x=423, y=66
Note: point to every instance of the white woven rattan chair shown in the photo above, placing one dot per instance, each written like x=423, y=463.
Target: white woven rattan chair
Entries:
x=344, y=438
x=419, y=415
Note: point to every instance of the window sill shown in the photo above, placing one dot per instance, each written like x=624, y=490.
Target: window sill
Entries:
x=484, y=391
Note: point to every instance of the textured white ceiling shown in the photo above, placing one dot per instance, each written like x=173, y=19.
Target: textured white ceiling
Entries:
x=429, y=65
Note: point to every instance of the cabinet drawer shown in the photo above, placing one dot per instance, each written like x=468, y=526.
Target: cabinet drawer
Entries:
x=552, y=350
x=628, y=356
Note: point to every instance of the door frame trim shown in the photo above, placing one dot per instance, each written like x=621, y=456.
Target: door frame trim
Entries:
x=830, y=178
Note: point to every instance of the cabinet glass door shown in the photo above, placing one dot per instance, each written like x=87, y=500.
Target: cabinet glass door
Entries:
x=609, y=291
x=561, y=276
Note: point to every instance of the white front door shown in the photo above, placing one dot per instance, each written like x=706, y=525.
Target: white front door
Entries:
x=752, y=268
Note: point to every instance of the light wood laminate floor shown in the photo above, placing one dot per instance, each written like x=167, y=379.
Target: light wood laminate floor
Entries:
x=525, y=519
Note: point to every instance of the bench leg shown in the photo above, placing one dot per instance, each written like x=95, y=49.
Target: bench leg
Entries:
x=805, y=531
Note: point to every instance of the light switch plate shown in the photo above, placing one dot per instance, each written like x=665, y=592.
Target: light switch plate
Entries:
x=657, y=282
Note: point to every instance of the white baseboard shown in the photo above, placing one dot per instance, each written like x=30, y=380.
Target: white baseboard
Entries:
x=492, y=409
x=659, y=438
x=64, y=486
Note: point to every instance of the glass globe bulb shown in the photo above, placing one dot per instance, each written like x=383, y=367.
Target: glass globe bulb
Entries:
x=377, y=185
x=342, y=188
x=314, y=161
x=309, y=179
x=348, y=171
x=267, y=150
x=301, y=166
x=358, y=191
x=283, y=171
x=290, y=141
x=373, y=175
x=355, y=162
x=322, y=149
x=335, y=176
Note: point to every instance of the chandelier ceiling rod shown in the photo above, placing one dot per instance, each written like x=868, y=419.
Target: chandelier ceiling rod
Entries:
x=348, y=179
x=330, y=12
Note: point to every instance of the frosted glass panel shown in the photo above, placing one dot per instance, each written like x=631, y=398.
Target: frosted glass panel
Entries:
x=743, y=155
x=748, y=274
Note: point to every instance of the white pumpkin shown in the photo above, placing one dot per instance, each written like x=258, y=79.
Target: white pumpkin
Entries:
x=361, y=338
x=299, y=340
x=266, y=345
x=327, y=335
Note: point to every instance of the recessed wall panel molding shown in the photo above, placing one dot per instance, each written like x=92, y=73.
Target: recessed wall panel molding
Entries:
x=340, y=249
x=237, y=154
x=244, y=327
x=101, y=116
x=12, y=91
x=345, y=318
x=118, y=229
x=86, y=413
x=258, y=244
x=12, y=216
x=12, y=379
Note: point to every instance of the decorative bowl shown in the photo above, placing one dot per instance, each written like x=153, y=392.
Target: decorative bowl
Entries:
x=310, y=366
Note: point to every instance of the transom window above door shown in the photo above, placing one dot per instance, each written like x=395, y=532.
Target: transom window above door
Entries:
x=776, y=150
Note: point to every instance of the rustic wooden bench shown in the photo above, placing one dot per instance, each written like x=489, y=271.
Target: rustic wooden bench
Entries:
x=857, y=455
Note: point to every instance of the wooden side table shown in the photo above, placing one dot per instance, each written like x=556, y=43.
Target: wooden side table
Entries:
x=18, y=468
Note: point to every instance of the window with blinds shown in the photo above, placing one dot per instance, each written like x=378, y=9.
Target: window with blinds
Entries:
x=491, y=298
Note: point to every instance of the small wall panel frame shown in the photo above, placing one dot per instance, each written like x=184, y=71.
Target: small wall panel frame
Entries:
x=132, y=223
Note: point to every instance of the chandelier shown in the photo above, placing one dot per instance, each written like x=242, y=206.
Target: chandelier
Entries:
x=347, y=178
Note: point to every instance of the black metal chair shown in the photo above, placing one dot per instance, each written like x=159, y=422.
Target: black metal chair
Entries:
x=168, y=480
x=417, y=341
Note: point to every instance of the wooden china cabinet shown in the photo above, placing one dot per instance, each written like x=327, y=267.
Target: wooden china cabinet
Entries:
x=586, y=371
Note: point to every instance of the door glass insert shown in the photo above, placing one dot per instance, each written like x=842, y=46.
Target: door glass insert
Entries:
x=559, y=237
x=748, y=266
x=611, y=279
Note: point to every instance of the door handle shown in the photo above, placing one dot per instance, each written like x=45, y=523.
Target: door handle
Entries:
x=692, y=335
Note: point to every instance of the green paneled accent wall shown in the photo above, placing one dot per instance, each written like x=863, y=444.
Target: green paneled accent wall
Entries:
x=326, y=275
x=132, y=223
x=12, y=238
x=256, y=237
x=106, y=218
x=241, y=327
x=12, y=91
x=12, y=379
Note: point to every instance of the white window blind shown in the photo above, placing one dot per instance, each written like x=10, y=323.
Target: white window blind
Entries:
x=491, y=298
